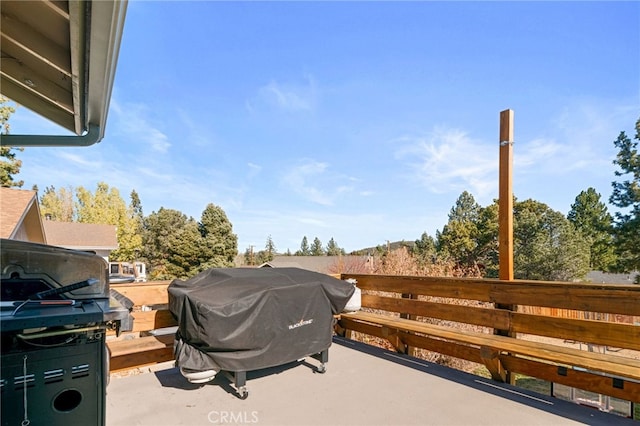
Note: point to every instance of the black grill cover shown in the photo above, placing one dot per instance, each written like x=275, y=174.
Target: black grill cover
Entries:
x=247, y=319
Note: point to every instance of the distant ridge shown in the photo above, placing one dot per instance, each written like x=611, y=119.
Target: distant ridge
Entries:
x=384, y=247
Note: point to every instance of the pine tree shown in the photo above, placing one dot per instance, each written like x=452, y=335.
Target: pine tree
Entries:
x=220, y=243
x=10, y=166
x=316, y=247
x=270, y=250
x=458, y=239
x=304, y=247
x=424, y=249
x=591, y=218
x=333, y=249
x=171, y=244
x=626, y=195
x=546, y=245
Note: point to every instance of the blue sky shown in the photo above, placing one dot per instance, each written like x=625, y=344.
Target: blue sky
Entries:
x=358, y=121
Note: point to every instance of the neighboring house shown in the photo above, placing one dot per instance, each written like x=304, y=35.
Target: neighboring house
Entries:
x=322, y=264
x=609, y=278
x=20, y=220
x=20, y=216
x=100, y=239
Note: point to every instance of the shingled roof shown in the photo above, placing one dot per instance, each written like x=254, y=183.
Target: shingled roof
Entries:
x=321, y=264
x=20, y=216
x=81, y=236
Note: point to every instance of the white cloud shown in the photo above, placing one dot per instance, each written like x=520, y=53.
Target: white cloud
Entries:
x=157, y=140
x=321, y=223
x=449, y=160
x=573, y=151
x=287, y=96
x=254, y=169
x=133, y=122
x=582, y=141
x=313, y=181
x=536, y=153
x=197, y=134
x=80, y=160
x=298, y=178
x=157, y=175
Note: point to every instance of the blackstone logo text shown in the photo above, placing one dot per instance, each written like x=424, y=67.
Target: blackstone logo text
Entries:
x=232, y=417
x=300, y=323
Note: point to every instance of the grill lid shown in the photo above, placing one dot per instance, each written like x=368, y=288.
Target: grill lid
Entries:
x=45, y=286
x=28, y=268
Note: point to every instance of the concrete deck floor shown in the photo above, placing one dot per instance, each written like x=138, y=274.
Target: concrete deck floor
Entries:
x=362, y=386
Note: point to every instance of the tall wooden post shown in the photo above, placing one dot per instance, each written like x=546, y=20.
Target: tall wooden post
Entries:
x=505, y=221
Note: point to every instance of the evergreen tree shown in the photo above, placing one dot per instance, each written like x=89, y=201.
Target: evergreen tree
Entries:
x=270, y=250
x=487, y=254
x=220, y=243
x=9, y=168
x=424, y=249
x=304, y=248
x=316, y=247
x=458, y=239
x=248, y=257
x=11, y=165
x=546, y=245
x=185, y=251
x=626, y=195
x=136, y=207
x=591, y=218
x=164, y=248
x=5, y=114
x=333, y=249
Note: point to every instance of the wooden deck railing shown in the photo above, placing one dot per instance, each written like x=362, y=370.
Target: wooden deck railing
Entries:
x=433, y=299
x=138, y=348
x=473, y=302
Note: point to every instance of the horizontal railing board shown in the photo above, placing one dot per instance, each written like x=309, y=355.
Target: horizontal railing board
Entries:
x=616, y=335
x=130, y=346
x=574, y=378
x=588, y=331
x=616, y=299
x=142, y=351
x=149, y=293
x=126, y=354
x=616, y=365
x=423, y=286
x=151, y=320
x=487, y=317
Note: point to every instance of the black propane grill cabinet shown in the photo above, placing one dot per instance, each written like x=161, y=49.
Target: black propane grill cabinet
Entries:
x=235, y=320
x=55, y=312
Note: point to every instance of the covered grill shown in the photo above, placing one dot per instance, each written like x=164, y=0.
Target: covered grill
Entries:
x=56, y=308
x=238, y=320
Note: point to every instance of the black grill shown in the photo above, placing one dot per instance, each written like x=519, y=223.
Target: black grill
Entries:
x=55, y=313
